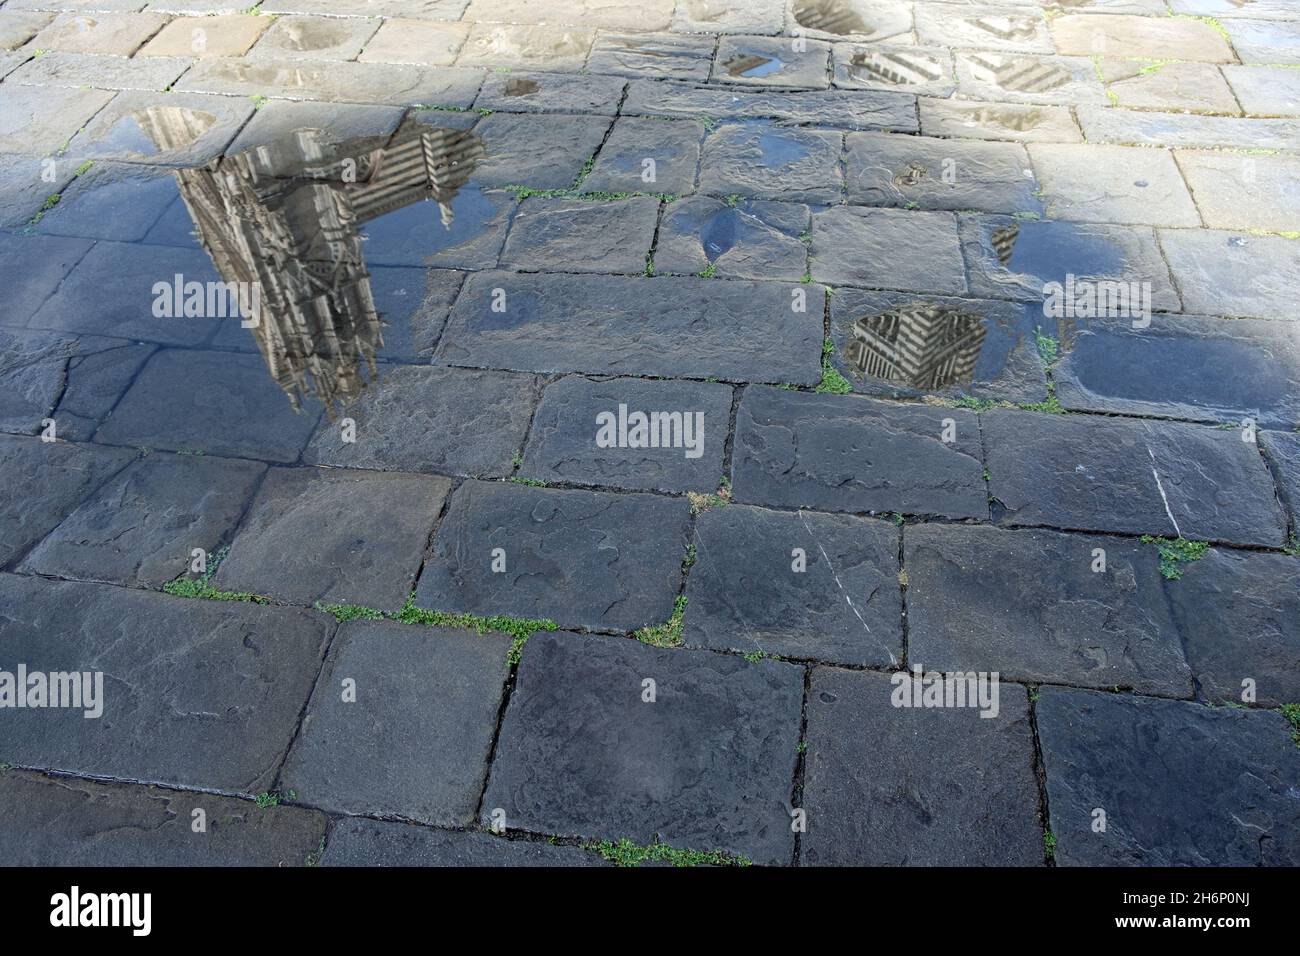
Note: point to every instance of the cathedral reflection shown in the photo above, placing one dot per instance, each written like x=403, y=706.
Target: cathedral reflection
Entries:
x=927, y=347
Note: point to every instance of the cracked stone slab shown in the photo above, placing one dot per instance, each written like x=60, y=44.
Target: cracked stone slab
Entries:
x=334, y=535
x=842, y=453
x=416, y=42
x=465, y=233
x=1155, y=84
x=1265, y=90
x=43, y=120
x=1261, y=9
x=124, y=129
x=992, y=350
x=659, y=56
x=213, y=402
x=581, y=558
x=685, y=327
x=1145, y=128
x=707, y=766
x=918, y=172
x=565, y=443
x=462, y=421
x=120, y=34
x=771, y=61
x=141, y=528
x=578, y=235
x=32, y=375
x=649, y=156
x=119, y=201
x=195, y=693
x=544, y=152
x=101, y=72
x=752, y=239
x=360, y=842
x=43, y=262
x=1244, y=191
x=414, y=305
x=60, y=821
x=898, y=69
x=806, y=586
x=44, y=483
x=336, y=81
x=551, y=93
x=1163, y=38
x=887, y=248
x=1224, y=796
x=1028, y=78
x=315, y=38
x=535, y=46
x=430, y=695
x=984, y=28
x=1106, y=474
x=1031, y=606
x=1283, y=450
x=997, y=121
x=896, y=786
x=763, y=159
x=1244, y=369
x=1225, y=273
x=1113, y=184
x=1017, y=258
x=10, y=62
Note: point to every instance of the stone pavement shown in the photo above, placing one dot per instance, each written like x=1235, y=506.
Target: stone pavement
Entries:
x=479, y=432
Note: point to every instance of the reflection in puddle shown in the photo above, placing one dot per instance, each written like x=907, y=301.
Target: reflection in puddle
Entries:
x=1007, y=28
x=751, y=64
x=515, y=86
x=1004, y=242
x=157, y=129
x=829, y=16
x=1019, y=74
x=898, y=69
x=927, y=346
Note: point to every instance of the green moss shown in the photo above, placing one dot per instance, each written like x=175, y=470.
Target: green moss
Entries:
x=517, y=627
x=974, y=404
x=626, y=853
x=258, y=101
x=1292, y=713
x=273, y=798
x=709, y=271
x=530, y=482
x=1175, y=552
x=668, y=634
x=754, y=656
x=1052, y=406
x=1049, y=844
x=832, y=383
x=351, y=612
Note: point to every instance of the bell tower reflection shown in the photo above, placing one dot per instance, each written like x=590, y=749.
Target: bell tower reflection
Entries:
x=926, y=347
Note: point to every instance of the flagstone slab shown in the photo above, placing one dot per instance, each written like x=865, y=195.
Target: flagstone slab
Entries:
x=315, y=38
x=743, y=239
x=98, y=374
x=728, y=16
x=421, y=9
x=1235, y=191
x=887, y=249
x=1224, y=795
x=1164, y=38
x=195, y=693
x=338, y=122
x=38, y=120
x=1262, y=41
x=101, y=72
x=1027, y=78
x=648, y=16
x=984, y=28
x=896, y=786
x=1137, y=477
x=1113, y=184
x=533, y=46
x=1145, y=128
x=544, y=152
x=1156, y=84
x=997, y=121
x=550, y=93
x=771, y=61
x=359, y=842
x=581, y=558
x=336, y=81
x=414, y=305
x=1262, y=9
x=17, y=27
x=577, y=235
x=466, y=232
x=416, y=42
x=110, y=200
x=125, y=129
x=709, y=765
x=203, y=37
x=31, y=378
x=27, y=185
x=763, y=159
x=660, y=56
x=120, y=34
x=925, y=70
x=43, y=262
x=1283, y=452
x=1227, y=273
x=648, y=156
x=874, y=20
x=1265, y=90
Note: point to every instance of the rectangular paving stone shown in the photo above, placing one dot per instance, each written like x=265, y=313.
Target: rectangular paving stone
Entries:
x=571, y=440
x=1234, y=191
x=578, y=235
x=23, y=193
x=141, y=527
x=277, y=119
x=764, y=159
x=1225, y=273
x=44, y=483
x=535, y=46
x=213, y=402
x=659, y=56
x=120, y=201
x=315, y=38
x=684, y=327
x=431, y=9
x=887, y=249
x=1265, y=90
x=62, y=821
x=31, y=378
x=911, y=786
x=17, y=27
x=771, y=61
x=195, y=693
x=1027, y=78
x=335, y=81
x=43, y=120
x=750, y=16
x=742, y=239
x=807, y=586
x=458, y=421
x=414, y=304
x=550, y=93
x=79, y=70
x=708, y=766
x=544, y=152
x=359, y=842
x=128, y=128
x=1258, y=41
x=984, y=28
x=604, y=14
x=581, y=558
x=842, y=453
x=1161, y=85
x=1031, y=606
x=1112, y=184
x=997, y=121
x=1224, y=795
x=1262, y=9
x=418, y=42
x=648, y=156
x=1145, y=128
x=896, y=68
x=120, y=34
x=1282, y=449
x=874, y=20
x=202, y=37
x=427, y=697
x=1107, y=474
x=43, y=262
x=335, y=536
x=10, y=62
x=1164, y=38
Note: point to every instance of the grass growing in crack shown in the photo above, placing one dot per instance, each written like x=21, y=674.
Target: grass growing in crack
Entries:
x=754, y=656
x=1292, y=547
x=202, y=589
x=1048, y=354
x=313, y=858
x=1175, y=552
x=709, y=271
x=350, y=612
x=1292, y=713
x=688, y=561
x=626, y=853
x=1049, y=844
x=530, y=482
x=668, y=634
x=273, y=798
x=516, y=627
x=832, y=383
x=974, y=404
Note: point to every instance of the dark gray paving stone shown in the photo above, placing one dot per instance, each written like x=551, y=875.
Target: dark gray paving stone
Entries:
x=896, y=786
x=838, y=600
x=1146, y=128
x=1226, y=273
x=841, y=453
x=129, y=128
x=98, y=374
x=551, y=93
x=215, y=402
x=647, y=156
x=1095, y=183
x=460, y=421
x=44, y=483
x=422, y=234
x=660, y=56
x=414, y=305
x=1239, y=614
x=544, y=152
x=27, y=184
x=1283, y=450
x=897, y=68
x=40, y=120
x=752, y=239
x=1224, y=794
x=195, y=693
x=60, y=821
x=565, y=441
x=140, y=528
x=112, y=201
x=43, y=262
x=1140, y=477
x=336, y=536
x=577, y=235
x=581, y=558
x=1243, y=369
x=758, y=158
x=1029, y=605
x=683, y=327
x=850, y=109
x=984, y=348
x=1016, y=258
x=771, y=61
x=887, y=248
x=415, y=740
x=998, y=121
x=708, y=765
x=356, y=842
x=31, y=378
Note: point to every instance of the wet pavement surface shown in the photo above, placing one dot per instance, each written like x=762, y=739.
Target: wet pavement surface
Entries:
x=454, y=438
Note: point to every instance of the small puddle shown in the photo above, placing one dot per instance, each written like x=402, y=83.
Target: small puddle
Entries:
x=927, y=347
x=751, y=65
x=830, y=16
x=520, y=87
x=156, y=130
x=897, y=69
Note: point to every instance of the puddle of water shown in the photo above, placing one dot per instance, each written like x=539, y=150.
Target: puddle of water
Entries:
x=829, y=16
x=156, y=130
x=1020, y=74
x=752, y=65
x=720, y=234
x=928, y=347
x=898, y=69
x=520, y=87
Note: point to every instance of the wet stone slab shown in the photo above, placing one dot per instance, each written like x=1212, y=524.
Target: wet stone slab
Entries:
x=550, y=93
x=79, y=70
x=709, y=765
x=43, y=120
x=648, y=156
x=109, y=200
x=984, y=28
x=1235, y=191
x=887, y=248
x=315, y=38
x=417, y=42
x=771, y=61
x=196, y=693
x=1139, y=477
x=1146, y=128
x=1032, y=606
x=711, y=16
x=230, y=35
x=772, y=162
x=31, y=378
x=1224, y=795
x=431, y=695
x=129, y=128
x=1258, y=41
x=581, y=235
x=581, y=558
x=584, y=432
x=541, y=46
x=838, y=453
x=684, y=327
x=335, y=536
x=119, y=34
x=336, y=81
x=414, y=305
x=1113, y=184
x=1157, y=84
x=43, y=262
x=897, y=786
x=456, y=421
x=141, y=528
x=28, y=181
x=1283, y=452
x=17, y=27
x=1027, y=78
x=340, y=122
x=544, y=152
x=1226, y=273
x=67, y=822
x=998, y=121
x=1166, y=38
x=657, y=56
x=358, y=842
x=901, y=69
x=465, y=233
x=874, y=20
x=806, y=586
x=743, y=239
